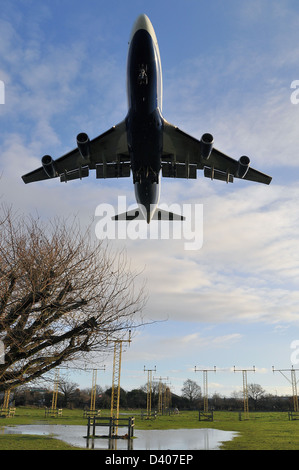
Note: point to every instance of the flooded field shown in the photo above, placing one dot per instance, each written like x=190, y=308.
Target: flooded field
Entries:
x=171, y=439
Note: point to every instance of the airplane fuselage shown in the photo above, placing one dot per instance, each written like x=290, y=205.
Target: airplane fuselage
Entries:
x=144, y=143
x=144, y=119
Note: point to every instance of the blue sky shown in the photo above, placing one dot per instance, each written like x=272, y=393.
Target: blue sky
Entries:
x=227, y=69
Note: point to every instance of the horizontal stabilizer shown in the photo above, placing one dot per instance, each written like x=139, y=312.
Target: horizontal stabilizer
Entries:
x=134, y=214
x=159, y=214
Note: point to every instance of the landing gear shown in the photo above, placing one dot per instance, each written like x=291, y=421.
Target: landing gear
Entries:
x=145, y=173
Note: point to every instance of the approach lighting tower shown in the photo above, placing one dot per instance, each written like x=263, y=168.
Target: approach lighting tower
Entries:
x=161, y=388
x=149, y=390
x=167, y=398
x=93, y=393
x=293, y=381
x=5, y=407
x=245, y=389
x=115, y=391
x=205, y=387
x=55, y=392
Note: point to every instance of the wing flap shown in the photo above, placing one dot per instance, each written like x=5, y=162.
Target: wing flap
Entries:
x=218, y=175
x=113, y=170
x=80, y=173
x=179, y=170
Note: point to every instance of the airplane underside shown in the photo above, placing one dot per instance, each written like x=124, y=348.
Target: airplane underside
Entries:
x=144, y=144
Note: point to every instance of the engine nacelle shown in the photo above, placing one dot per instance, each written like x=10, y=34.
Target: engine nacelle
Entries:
x=48, y=166
x=243, y=166
x=206, y=146
x=83, y=144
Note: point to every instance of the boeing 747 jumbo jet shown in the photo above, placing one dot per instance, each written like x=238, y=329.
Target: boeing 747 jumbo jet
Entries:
x=144, y=143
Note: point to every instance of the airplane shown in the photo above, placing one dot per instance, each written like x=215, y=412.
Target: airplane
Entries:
x=145, y=143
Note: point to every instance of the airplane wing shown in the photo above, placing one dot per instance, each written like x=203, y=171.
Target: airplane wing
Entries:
x=182, y=156
x=107, y=154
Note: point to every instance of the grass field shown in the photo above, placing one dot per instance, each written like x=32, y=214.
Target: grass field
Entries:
x=263, y=431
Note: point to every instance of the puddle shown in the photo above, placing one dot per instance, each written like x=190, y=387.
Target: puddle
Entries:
x=171, y=439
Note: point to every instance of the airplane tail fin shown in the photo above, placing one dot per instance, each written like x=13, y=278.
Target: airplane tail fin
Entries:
x=159, y=214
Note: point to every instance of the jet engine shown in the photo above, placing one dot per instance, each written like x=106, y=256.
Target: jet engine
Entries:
x=48, y=166
x=243, y=166
x=206, y=145
x=83, y=144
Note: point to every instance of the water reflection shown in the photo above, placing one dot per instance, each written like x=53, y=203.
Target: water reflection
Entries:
x=111, y=444
x=171, y=439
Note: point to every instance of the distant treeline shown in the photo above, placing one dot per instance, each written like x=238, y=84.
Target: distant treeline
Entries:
x=73, y=397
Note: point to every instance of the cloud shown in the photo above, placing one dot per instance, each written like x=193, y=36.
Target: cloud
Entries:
x=247, y=269
x=163, y=346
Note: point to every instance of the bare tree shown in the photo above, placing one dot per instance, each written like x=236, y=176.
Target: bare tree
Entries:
x=191, y=390
x=69, y=390
x=255, y=393
x=61, y=296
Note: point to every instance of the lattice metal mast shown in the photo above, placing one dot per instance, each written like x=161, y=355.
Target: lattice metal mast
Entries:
x=6, y=400
x=167, y=398
x=245, y=389
x=115, y=391
x=293, y=382
x=160, y=393
x=55, y=391
x=205, y=387
x=93, y=392
x=149, y=390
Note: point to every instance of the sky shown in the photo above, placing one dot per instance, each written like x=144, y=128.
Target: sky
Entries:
x=230, y=69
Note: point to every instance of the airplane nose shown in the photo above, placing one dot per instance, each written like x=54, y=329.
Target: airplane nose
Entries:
x=143, y=22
